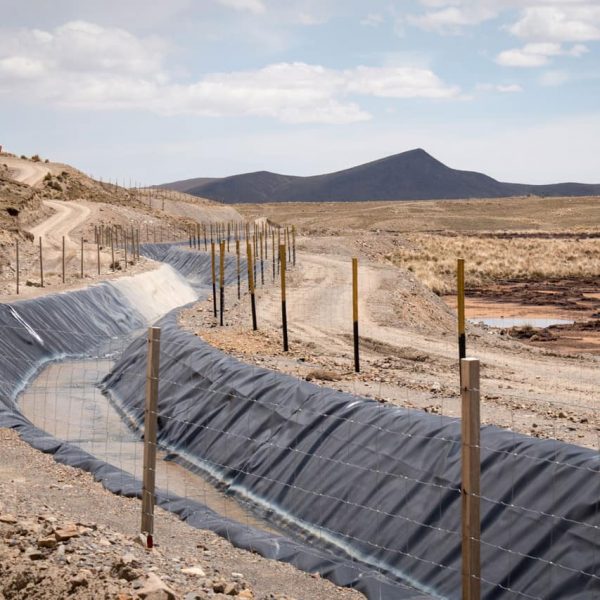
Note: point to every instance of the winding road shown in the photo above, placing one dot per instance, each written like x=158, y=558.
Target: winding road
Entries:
x=67, y=217
x=25, y=171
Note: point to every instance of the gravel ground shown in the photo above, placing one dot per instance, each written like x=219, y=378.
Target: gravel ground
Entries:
x=63, y=535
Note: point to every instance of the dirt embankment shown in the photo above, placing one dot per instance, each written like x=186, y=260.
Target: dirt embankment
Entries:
x=52, y=201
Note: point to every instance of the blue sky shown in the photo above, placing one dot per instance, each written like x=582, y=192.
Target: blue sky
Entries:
x=171, y=89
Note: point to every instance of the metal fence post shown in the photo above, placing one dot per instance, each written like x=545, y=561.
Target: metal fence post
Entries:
x=150, y=429
x=355, y=314
x=470, y=487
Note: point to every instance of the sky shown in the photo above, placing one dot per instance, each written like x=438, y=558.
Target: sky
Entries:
x=161, y=90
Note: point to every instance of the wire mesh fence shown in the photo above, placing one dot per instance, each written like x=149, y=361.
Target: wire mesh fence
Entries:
x=377, y=483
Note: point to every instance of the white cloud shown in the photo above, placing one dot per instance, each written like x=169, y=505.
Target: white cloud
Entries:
x=538, y=20
x=21, y=67
x=503, y=88
x=372, y=20
x=537, y=54
x=79, y=46
x=254, y=6
x=452, y=19
x=565, y=22
x=86, y=66
x=398, y=82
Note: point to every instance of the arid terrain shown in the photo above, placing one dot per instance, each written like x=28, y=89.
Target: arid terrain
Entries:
x=542, y=382
x=525, y=257
x=61, y=533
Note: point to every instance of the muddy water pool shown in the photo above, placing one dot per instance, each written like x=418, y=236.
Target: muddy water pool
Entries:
x=64, y=401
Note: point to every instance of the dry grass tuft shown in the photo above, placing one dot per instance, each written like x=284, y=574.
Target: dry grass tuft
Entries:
x=432, y=258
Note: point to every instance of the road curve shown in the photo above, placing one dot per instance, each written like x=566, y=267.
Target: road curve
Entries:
x=25, y=171
x=67, y=217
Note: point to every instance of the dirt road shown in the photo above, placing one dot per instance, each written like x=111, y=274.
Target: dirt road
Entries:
x=67, y=217
x=409, y=351
x=75, y=220
x=25, y=171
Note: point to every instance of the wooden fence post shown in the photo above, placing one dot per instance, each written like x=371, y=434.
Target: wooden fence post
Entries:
x=255, y=258
x=355, y=313
x=262, y=267
x=150, y=431
x=237, y=253
x=214, y=277
x=125, y=248
x=17, y=249
x=98, y=254
x=251, y=283
x=41, y=264
x=273, y=252
x=112, y=251
x=279, y=253
x=283, y=305
x=294, y=245
x=470, y=488
x=63, y=258
x=133, y=246
x=266, y=238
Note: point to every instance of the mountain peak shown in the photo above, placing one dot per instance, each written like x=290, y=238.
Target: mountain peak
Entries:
x=419, y=154
x=410, y=175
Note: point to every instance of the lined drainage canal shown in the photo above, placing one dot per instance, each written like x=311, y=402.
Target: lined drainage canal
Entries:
x=64, y=401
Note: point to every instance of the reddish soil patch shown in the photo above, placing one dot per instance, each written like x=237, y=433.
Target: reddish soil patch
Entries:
x=573, y=299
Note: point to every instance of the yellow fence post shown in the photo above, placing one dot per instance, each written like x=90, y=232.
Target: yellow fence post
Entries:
x=222, y=279
x=283, y=298
x=214, y=277
x=355, y=313
x=460, y=287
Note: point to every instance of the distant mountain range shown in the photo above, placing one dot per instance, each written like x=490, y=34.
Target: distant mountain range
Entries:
x=412, y=175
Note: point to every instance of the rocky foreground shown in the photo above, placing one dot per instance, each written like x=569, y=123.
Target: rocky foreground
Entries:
x=63, y=536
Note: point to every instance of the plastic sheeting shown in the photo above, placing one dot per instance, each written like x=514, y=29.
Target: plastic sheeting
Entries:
x=57, y=326
x=378, y=484
x=85, y=324
x=195, y=266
